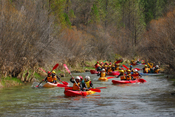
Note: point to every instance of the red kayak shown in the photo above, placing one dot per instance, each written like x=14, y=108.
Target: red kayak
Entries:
x=70, y=93
x=128, y=81
x=114, y=73
x=93, y=72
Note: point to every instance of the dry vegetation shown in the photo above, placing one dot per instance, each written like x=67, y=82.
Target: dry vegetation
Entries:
x=44, y=32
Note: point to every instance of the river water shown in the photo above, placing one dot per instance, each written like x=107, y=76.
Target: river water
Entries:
x=151, y=99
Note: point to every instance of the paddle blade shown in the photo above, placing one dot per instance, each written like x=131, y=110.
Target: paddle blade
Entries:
x=64, y=82
x=96, y=90
x=110, y=77
x=61, y=85
x=142, y=80
x=55, y=66
x=101, y=87
x=66, y=68
x=125, y=66
x=42, y=69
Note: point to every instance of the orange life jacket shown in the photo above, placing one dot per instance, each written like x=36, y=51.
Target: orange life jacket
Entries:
x=128, y=77
x=75, y=87
x=117, y=68
x=103, y=74
x=122, y=77
x=49, y=79
x=146, y=70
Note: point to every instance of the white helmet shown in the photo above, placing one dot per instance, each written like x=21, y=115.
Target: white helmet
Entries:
x=157, y=66
x=103, y=70
x=77, y=77
x=87, y=77
x=135, y=70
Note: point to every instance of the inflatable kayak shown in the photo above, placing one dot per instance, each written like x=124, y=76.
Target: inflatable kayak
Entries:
x=70, y=93
x=151, y=74
x=93, y=72
x=103, y=79
x=114, y=73
x=50, y=85
x=128, y=81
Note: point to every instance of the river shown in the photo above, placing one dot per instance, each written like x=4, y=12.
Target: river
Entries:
x=151, y=99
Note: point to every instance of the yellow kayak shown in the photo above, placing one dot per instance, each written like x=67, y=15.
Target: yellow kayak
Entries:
x=50, y=85
x=103, y=79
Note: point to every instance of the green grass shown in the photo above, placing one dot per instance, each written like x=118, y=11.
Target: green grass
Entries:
x=9, y=79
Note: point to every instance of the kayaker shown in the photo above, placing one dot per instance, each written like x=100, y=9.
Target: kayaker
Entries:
x=136, y=74
x=146, y=69
x=131, y=68
x=88, y=82
x=55, y=77
x=109, y=69
x=117, y=67
x=102, y=73
x=121, y=75
x=106, y=66
x=156, y=70
x=49, y=77
x=76, y=83
x=128, y=76
x=98, y=66
x=82, y=84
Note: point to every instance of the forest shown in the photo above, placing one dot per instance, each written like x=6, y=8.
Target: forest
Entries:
x=44, y=32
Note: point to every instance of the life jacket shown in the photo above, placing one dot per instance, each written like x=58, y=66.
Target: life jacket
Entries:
x=135, y=74
x=157, y=70
x=54, y=78
x=146, y=70
x=128, y=77
x=109, y=70
x=117, y=68
x=103, y=74
x=88, y=84
x=122, y=77
x=75, y=87
x=49, y=79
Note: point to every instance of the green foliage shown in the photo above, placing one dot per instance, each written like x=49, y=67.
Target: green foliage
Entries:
x=67, y=19
x=95, y=14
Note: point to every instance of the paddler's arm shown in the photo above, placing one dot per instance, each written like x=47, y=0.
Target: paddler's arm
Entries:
x=72, y=80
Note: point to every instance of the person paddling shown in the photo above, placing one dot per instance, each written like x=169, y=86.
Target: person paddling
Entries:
x=136, y=74
x=128, y=76
x=88, y=82
x=55, y=77
x=102, y=73
x=49, y=77
x=76, y=83
x=82, y=84
x=146, y=69
x=121, y=75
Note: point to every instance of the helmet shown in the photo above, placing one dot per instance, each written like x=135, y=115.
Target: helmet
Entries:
x=97, y=61
x=117, y=64
x=110, y=63
x=53, y=72
x=122, y=71
x=77, y=77
x=145, y=65
x=49, y=72
x=103, y=70
x=81, y=77
x=130, y=65
x=128, y=70
x=135, y=70
x=157, y=66
x=87, y=77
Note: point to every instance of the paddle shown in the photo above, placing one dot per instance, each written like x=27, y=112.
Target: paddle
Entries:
x=70, y=73
x=110, y=77
x=96, y=90
x=45, y=71
x=125, y=66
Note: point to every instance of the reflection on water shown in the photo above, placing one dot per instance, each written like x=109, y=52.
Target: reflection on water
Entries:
x=142, y=100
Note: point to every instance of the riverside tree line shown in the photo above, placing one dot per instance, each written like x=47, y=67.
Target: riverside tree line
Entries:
x=43, y=32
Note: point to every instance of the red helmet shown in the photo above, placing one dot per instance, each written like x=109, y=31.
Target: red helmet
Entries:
x=97, y=61
x=81, y=77
x=49, y=72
